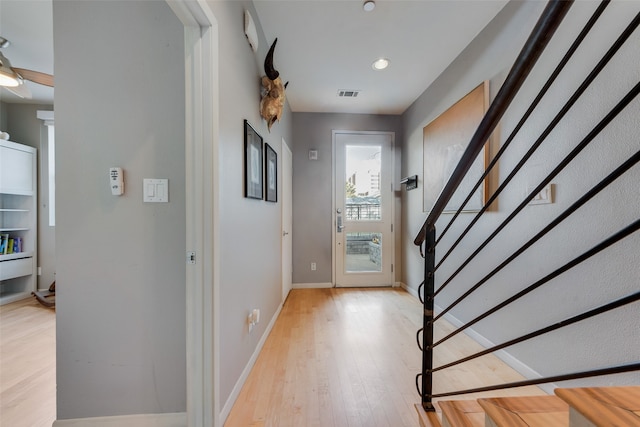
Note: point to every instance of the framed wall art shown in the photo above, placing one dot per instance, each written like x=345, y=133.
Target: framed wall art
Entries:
x=252, y=163
x=444, y=142
x=271, y=173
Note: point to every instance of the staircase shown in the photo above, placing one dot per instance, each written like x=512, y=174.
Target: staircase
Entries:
x=573, y=407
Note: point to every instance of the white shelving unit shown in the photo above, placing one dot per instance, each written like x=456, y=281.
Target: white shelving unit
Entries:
x=18, y=218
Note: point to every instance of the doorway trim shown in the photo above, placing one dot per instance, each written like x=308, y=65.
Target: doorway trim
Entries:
x=286, y=203
x=202, y=195
x=333, y=195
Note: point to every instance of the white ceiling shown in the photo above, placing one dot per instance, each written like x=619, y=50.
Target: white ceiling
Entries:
x=323, y=46
x=28, y=25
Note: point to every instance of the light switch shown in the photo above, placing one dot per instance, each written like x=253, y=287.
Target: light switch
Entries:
x=543, y=197
x=155, y=190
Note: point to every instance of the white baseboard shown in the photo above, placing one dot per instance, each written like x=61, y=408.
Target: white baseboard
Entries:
x=312, y=285
x=409, y=290
x=224, y=413
x=503, y=355
x=138, y=420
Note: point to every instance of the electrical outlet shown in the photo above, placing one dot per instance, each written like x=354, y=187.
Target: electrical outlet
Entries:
x=313, y=266
x=250, y=321
x=253, y=318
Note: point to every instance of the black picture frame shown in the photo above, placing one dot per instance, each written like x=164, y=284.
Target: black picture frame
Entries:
x=252, y=162
x=270, y=174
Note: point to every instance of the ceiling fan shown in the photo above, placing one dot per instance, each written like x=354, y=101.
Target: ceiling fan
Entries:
x=12, y=78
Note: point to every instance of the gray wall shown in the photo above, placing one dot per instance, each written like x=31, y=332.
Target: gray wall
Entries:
x=121, y=269
x=605, y=277
x=25, y=128
x=250, y=232
x=312, y=216
x=3, y=116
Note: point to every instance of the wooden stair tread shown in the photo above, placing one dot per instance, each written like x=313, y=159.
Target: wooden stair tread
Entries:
x=462, y=413
x=529, y=411
x=427, y=419
x=605, y=406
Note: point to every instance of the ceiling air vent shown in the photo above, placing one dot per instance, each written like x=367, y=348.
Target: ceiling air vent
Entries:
x=345, y=93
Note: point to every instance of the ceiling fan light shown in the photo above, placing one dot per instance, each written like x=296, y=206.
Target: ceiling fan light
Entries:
x=8, y=80
x=8, y=77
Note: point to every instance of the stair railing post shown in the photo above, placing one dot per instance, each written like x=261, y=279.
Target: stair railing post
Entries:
x=427, y=320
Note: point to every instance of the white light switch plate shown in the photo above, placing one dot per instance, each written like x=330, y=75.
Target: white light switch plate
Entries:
x=545, y=195
x=155, y=190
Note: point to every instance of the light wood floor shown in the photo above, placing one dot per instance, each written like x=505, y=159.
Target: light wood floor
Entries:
x=335, y=357
x=27, y=365
x=348, y=357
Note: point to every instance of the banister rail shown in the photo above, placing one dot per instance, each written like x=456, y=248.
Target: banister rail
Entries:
x=539, y=38
x=543, y=31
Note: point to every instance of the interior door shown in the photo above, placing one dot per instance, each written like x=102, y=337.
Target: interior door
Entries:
x=363, y=209
x=287, y=206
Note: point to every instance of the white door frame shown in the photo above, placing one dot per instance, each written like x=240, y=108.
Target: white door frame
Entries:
x=333, y=196
x=202, y=193
x=286, y=239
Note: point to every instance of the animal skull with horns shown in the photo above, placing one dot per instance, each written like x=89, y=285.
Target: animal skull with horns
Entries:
x=273, y=91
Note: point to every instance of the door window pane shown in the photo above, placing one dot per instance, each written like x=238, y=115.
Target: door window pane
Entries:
x=363, y=252
x=362, y=186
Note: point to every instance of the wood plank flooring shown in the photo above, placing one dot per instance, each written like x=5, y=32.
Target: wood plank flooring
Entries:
x=27, y=364
x=348, y=357
x=335, y=357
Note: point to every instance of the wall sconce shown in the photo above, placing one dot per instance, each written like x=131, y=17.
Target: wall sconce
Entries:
x=410, y=181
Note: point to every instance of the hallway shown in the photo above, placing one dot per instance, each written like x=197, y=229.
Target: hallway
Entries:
x=348, y=357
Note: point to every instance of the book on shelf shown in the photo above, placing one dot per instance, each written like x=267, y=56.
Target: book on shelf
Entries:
x=4, y=244
x=10, y=245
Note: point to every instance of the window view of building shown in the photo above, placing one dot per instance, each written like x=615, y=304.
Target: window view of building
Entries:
x=362, y=189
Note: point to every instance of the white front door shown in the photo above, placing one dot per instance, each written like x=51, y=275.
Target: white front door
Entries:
x=363, y=209
x=287, y=204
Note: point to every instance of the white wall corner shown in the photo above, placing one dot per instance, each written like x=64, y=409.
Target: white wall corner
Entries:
x=226, y=409
x=138, y=420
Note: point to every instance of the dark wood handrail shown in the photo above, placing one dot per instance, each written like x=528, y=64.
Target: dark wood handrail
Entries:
x=544, y=29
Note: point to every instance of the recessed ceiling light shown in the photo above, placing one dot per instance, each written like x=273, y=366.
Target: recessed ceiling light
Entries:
x=380, y=64
x=369, y=5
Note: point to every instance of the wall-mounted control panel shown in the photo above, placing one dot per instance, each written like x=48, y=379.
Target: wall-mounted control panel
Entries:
x=116, y=181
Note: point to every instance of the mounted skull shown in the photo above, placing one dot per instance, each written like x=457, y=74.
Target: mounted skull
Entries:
x=273, y=95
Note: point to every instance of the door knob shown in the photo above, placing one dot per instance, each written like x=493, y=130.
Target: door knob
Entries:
x=284, y=233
